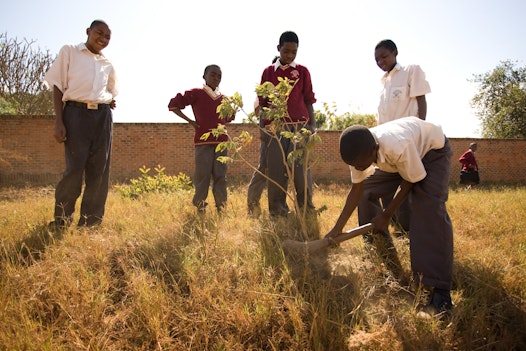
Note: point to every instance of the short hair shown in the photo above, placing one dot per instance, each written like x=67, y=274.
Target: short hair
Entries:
x=388, y=44
x=355, y=141
x=209, y=67
x=97, y=22
x=288, y=37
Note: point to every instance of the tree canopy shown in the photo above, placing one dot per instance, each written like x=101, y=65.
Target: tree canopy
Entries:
x=501, y=101
x=22, y=69
x=331, y=120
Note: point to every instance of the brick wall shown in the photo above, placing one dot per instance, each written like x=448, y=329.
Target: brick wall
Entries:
x=29, y=153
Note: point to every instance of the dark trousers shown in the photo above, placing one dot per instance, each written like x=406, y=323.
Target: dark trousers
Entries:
x=208, y=168
x=431, y=238
x=88, y=153
x=276, y=170
x=385, y=186
x=258, y=181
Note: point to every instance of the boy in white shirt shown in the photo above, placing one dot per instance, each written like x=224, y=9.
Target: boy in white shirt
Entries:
x=403, y=94
x=84, y=85
x=420, y=153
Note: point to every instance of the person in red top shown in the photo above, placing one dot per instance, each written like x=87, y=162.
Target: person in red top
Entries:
x=468, y=158
x=204, y=102
x=300, y=115
x=469, y=172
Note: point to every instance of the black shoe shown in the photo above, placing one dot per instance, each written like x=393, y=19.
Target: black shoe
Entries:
x=441, y=300
x=89, y=221
x=277, y=214
x=220, y=209
x=59, y=224
x=201, y=208
x=440, y=306
x=254, y=210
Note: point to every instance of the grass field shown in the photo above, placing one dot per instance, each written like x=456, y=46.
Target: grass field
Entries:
x=157, y=276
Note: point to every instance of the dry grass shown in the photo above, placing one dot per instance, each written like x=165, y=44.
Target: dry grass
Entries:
x=156, y=276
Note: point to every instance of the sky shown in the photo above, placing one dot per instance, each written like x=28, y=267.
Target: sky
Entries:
x=161, y=47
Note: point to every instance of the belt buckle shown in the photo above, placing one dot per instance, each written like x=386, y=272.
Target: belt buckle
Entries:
x=92, y=106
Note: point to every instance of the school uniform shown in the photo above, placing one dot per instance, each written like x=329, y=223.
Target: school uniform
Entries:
x=301, y=95
x=401, y=86
x=89, y=84
x=204, y=102
x=418, y=152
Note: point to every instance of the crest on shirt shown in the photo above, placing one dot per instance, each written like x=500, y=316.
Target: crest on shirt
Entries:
x=295, y=74
x=397, y=93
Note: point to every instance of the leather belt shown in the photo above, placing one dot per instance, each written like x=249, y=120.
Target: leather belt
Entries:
x=88, y=106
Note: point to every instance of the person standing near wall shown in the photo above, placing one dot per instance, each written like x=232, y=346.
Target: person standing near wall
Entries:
x=300, y=115
x=204, y=102
x=84, y=85
x=469, y=174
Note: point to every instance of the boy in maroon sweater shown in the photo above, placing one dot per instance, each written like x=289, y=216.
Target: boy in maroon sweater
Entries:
x=204, y=102
x=300, y=115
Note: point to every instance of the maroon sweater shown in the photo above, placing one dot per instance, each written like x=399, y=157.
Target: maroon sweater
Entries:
x=300, y=96
x=206, y=116
x=468, y=161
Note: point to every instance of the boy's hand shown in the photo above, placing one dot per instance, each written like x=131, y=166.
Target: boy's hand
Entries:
x=381, y=222
x=331, y=235
x=60, y=133
x=113, y=104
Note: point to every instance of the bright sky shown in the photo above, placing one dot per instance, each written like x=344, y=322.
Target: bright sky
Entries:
x=160, y=48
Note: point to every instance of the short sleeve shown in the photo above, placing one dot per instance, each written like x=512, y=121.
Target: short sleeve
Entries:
x=58, y=72
x=359, y=176
x=418, y=84
x=113, y=83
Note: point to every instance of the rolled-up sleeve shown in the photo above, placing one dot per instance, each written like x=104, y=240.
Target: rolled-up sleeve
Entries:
x=57, y=73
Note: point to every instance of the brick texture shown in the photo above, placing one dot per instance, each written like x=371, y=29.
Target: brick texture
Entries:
x=30, y=155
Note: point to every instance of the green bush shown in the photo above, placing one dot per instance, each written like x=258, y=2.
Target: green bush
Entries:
x=159, y=183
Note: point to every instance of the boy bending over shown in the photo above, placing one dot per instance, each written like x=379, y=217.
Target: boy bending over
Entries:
x=421, y=154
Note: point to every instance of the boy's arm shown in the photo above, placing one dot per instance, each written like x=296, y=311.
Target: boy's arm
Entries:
x=312, y=118
x=180, y=113
x=60, y=130
x=353, y=198
x=381, y=222
x=422, y=107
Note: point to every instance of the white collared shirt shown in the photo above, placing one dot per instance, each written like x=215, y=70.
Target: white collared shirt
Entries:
x=213, y=93
x=82, y=75
x=401, y=87
x=278, y=64
x=402, y=145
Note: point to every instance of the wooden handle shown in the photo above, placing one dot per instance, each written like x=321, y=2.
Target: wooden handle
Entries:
x=353, y=233
x=312, y=247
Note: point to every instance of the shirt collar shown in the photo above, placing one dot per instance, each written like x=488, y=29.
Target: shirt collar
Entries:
x=278, y=64
x=397, y=67
x=214, y=93
x=82, y=47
